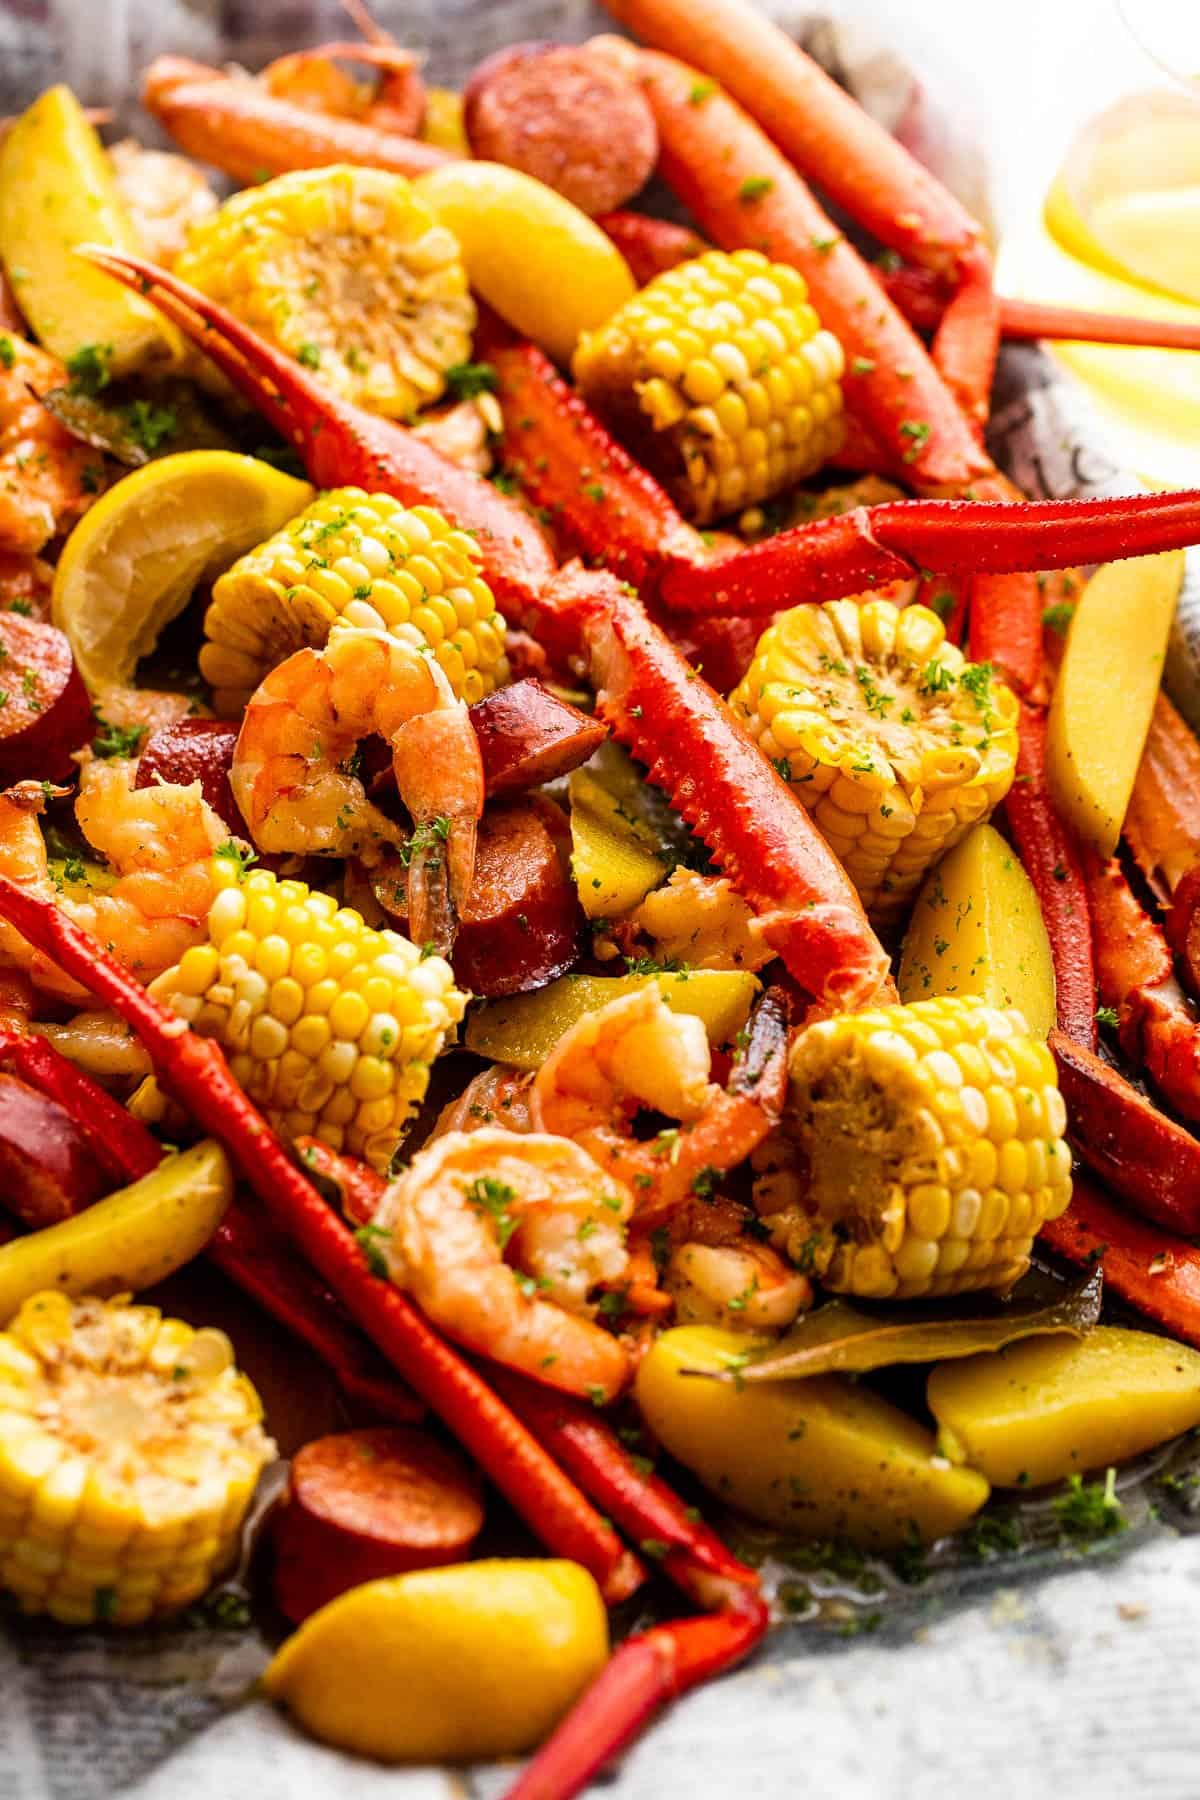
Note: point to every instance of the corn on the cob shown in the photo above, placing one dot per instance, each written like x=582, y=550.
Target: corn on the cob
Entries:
x=366, y=559
x=893, y=742
x=347, y=270
x=928, y=1148
x=130, y=1447
x=331, y=1027
x=719, y=376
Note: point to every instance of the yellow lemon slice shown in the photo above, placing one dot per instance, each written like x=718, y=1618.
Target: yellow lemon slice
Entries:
x=543, y=264
x=459, y=1664
x=132, y=562
x=57, y=191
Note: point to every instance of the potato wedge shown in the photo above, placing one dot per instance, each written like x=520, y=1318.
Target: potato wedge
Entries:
x=1104, y=695
x=820, y=1458
x=57, y=191
x=137, y=1236
x=977, y=929
x=523, y=1031
x=1050, y=1407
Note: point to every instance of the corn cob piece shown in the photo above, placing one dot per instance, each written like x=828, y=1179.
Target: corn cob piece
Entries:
x=130, y=1447
x=347, y=270
x=893, y=742
x=330, y=1027
x=366, y=559
x=928, y=1148
x=721, y=380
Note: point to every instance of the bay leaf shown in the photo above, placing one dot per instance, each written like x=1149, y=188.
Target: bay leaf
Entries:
x=840, y=1338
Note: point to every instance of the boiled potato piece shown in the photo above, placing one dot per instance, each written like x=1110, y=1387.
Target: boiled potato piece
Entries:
x=1053, y=1406
x=57, y=191
x=820, y=1458
x=1104, y=695
x=459, y=1664
x=977, y=930
x=523, y=1031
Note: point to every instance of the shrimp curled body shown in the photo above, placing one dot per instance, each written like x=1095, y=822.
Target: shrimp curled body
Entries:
x=634, y=1054
x=158, y=842
x=502, y=1240
x=292, y=767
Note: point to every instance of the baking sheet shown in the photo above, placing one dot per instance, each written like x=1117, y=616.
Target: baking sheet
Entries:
x=1047, y=1677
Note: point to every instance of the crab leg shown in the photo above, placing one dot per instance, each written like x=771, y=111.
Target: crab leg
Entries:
x=903, y=538
x=196, y=1073
x=241, y=129
x=1153, y=1270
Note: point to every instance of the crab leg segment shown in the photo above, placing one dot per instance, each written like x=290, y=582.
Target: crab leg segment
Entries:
x=645, y=1674
x=903, y=538
x=729, y=794
x=1154, y=1271
x=195, y=1071
x=921, y=297
x=342, y=446
x=246, y=132
x=1051, y=860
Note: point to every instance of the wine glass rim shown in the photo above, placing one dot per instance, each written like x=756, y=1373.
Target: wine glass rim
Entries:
x=1189, y=83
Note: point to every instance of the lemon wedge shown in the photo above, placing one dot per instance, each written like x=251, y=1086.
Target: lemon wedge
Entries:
x=545, y=266
x=459, y=1664
x=131, y=564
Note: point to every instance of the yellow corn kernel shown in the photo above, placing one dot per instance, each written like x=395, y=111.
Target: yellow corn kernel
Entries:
x=347, y=270
x=913, y=1179
x=720, y=377
x=895, y=744
x=128, y=1459
x=369, y=560
x=338, y=1042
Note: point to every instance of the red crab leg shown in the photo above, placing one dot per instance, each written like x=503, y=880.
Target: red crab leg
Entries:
x=342, y=446
x=902, y=538
x=240, y=128
x=1136, y=976
x=921, y=295
x=1153, y=1270
x=651, y=246
x=1051, y=860
x=644, y=1675
x=728, y=793
x=196, y=1073
x=744, y=193
x=1146, y=1158
x=245, y=1248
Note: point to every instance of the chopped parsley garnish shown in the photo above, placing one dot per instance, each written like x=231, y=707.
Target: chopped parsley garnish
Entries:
x=493, y=1199
x=88, y=369
x=754, y=187
x=468, y=379
x=1090, y=1510
x=369, y=1238
x=117, y=740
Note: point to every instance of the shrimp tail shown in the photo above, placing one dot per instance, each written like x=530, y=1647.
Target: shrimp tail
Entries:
x=439, y=775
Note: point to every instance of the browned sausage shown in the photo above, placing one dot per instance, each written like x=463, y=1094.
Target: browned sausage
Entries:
x=527, y=737
x=651, y=246
x=47, y=1171
x=365, y=1504
x=195, y=750
x=520, y=926
x=555, y=112
x=45, y=712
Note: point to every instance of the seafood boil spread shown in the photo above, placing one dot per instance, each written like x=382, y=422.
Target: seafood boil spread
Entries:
x=566, y=830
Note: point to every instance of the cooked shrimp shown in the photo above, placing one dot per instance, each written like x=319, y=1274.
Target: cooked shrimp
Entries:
x=635, y=1054
x=496, y=1096
x=158, y=842
x=502, y=1240
x=464, y=433
x=292, y=779
x=47, y=478
x=742, y=1286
